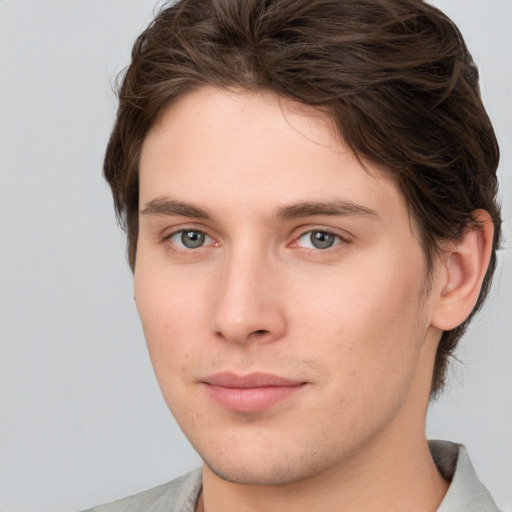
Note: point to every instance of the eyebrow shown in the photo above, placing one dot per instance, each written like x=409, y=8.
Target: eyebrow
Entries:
x=339, y=207
x=170, y=207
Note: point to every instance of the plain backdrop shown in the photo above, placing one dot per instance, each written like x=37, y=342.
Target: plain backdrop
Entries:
x=82, y=420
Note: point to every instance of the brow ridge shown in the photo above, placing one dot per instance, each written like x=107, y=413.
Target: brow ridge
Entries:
x=338, y=207
x=168, y=207
x=164, y=206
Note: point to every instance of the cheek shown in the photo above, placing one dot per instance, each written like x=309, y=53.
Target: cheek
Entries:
x=362, y=301
x=372, y=322
x=167, y=317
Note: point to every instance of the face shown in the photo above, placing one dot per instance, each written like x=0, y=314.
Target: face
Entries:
x=281, y=289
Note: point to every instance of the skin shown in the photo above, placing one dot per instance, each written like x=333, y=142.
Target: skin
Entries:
x=352, y=322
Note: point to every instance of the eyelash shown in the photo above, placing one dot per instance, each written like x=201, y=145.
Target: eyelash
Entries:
x=175, y=248
x=337, y=240
x=184, y=250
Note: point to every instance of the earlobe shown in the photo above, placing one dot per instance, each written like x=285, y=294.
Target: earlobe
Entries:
x=461, y=270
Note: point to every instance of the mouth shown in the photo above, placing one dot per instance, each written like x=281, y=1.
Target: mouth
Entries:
x=255, y=392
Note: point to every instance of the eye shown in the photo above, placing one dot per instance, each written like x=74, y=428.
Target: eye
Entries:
x=319, y=239
x=189, y=239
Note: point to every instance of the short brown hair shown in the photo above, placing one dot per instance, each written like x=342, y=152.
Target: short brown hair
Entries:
x=395, y=75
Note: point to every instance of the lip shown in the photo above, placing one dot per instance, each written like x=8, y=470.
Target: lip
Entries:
x=254, y=392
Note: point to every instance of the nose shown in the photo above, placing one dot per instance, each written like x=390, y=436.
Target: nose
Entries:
x=248, y=301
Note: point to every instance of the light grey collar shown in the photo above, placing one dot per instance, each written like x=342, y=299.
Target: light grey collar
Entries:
x=466, y=493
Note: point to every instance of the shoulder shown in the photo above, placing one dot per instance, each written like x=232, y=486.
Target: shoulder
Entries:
x=179, y=495
x=466, y=492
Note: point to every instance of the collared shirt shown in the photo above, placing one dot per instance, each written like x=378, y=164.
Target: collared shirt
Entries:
x=465, y=494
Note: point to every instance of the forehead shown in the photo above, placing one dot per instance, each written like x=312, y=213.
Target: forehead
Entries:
x=254, y=150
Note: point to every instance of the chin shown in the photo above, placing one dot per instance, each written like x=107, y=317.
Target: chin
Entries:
x=244, y=473
x=268, y=467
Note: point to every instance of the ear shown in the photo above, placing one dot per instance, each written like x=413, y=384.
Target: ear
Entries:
x=461, y=270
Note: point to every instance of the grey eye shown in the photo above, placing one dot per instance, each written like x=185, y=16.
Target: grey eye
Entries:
x=192, y=239
x=322, y=239
x=189, y=238
x=318, y=239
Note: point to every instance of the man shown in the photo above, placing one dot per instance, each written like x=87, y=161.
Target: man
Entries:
x=308, y=189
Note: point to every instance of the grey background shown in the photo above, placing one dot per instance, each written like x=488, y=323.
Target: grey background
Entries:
x=81, y=417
